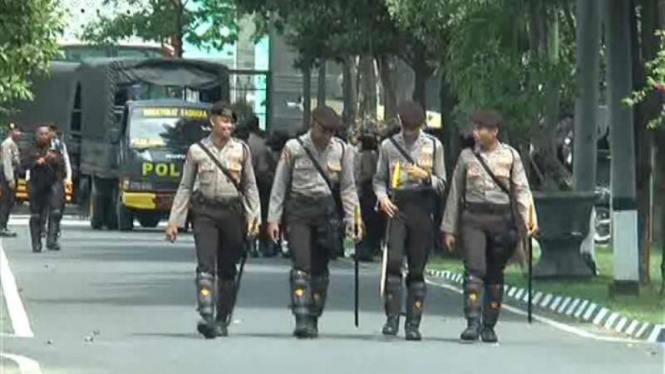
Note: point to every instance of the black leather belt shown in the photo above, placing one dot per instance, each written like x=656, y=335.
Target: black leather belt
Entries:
x=218, y=203
x=487, y=208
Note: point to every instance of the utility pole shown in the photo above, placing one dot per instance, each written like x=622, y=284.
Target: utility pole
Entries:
x=622, y=144
x=586, y=105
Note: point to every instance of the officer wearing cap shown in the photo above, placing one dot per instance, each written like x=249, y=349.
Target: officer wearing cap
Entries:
x=480, y=215
x=218, y=196
x=301, y=193
x=10, y=163
x=410, y=175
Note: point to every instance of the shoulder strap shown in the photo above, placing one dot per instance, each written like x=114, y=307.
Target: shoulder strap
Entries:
x=316, y=164
x=401, y=150
x=491, y=174
x=221, y=167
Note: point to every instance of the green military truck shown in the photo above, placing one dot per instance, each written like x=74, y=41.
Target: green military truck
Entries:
x=127, y=124
x=138, y=118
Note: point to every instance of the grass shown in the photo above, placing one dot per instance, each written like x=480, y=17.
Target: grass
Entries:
x=648, y=306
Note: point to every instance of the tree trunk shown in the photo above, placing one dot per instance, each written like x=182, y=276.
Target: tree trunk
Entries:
x=585, y=147
x=545, y=44
x=321, y=89
x=422, y=72
x=350, y=87
x=386, y=68
x=368, y=99
x=177, y=42
x=307, y=94
x=451, y=134
x=624, y=202
x=643, y=137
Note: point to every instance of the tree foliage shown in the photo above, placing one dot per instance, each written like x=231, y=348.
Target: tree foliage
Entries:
x=208, y=24
x=28, y=33
x=655, y=83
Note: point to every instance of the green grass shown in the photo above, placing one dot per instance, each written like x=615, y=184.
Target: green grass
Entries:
x=648, y=306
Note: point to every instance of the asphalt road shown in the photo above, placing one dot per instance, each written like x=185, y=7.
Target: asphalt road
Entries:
x=115, y=302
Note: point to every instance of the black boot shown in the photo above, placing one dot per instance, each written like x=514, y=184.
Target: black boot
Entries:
x=225, y=301
x=393, y=303
x=5, y=233
x=319, y=295
x=301, y=300
x=53, y=230
x=491, y=309
x=36, y=233
x=205, y=287
x=414, y=312
x=472, y=308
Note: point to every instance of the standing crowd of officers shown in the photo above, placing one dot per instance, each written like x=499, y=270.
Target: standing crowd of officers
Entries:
x=47, y=171
x=322, y=191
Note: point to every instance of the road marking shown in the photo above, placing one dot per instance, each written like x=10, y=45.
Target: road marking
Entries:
x=599, y=317
x=631, y=328
x=25, y=365
x=17, y=313
x=564, y=304
x=619, y=327
x=589, y=312
x=581, y=309
x=558, y=325
x=572, y=307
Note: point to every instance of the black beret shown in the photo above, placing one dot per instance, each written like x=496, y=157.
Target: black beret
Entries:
x=328, y=118
x=223, y=109
x=488, y=118
x=412, y=114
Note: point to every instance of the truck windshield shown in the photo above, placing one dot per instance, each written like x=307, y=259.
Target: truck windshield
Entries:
x=154, y=128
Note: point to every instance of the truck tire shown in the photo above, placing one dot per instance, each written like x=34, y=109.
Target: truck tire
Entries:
x=149, y=220
x=96, y=208
x=125, y=217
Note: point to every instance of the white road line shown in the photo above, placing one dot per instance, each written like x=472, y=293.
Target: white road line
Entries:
x=558, y=325
x=25, y=365
x=17, y=313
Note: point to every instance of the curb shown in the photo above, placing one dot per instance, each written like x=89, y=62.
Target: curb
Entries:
x=579, y=309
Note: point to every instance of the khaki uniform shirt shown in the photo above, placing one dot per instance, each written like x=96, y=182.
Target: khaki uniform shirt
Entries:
x=201, y=174
x=296, y=175
x=10, y=158
x=471, y=183
x=426, y=151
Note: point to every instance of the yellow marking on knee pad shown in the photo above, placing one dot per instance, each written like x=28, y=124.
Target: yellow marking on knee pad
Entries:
x=418, y=305
x=205, y=292
x=299, y=292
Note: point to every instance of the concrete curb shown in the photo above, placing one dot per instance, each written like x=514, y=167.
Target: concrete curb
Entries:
x=579, y=309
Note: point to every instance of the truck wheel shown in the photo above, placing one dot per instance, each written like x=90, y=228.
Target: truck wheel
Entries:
x=125, y=217
x=149, y=220
x=96, y=209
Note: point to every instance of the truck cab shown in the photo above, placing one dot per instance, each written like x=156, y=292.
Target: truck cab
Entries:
x=153, y=142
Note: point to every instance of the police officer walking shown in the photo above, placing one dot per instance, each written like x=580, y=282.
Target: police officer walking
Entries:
x=410, y=175
x=218, y=182
x=47, y=171
x=488, y=185
x=313, y=170
x=10, y=162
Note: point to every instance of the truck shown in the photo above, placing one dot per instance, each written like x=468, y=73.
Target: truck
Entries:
x=128, y=130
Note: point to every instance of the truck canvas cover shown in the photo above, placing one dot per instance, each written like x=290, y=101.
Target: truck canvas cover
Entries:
x=104, y=87
x=54, y=99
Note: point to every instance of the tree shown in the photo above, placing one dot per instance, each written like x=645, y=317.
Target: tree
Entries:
x=204, y=23
x=28, y=32
x=512, y=55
